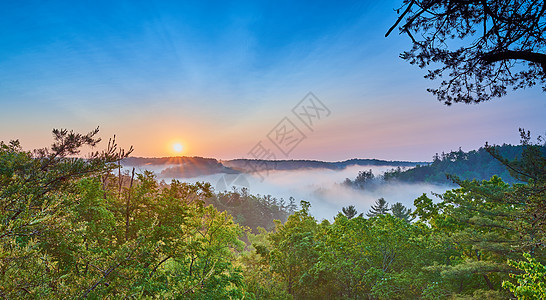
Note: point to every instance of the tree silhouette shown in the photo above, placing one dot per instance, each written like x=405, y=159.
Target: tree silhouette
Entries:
x=400, y=211
x=381, y=207
x=500, y=44
x=349, y=211
x=362, y=180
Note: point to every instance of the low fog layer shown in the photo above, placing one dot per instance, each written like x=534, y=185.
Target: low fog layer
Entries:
x=323, y=188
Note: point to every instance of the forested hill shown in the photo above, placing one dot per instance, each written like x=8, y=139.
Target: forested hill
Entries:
x=475, y=164
x=187, y=167
x=246, y=164
x=180, y=166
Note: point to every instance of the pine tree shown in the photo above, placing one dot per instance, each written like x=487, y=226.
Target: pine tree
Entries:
x=363, y=179
x=349, y=211
x=400, y=211
x=381, y=207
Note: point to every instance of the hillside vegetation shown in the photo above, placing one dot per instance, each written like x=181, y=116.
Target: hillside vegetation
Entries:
x=476, y=164
x=83, y=228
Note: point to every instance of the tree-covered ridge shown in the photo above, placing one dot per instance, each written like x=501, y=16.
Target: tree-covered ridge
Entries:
x=476, y=164
x=180, y=166
x=188, y=167
x=245, y=165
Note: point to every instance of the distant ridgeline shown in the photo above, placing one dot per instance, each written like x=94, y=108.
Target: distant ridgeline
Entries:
x=187, y=167
x=476, y=164
x=180, y=166
x=245, y=165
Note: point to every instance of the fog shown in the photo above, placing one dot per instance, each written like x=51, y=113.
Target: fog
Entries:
x=321, y=187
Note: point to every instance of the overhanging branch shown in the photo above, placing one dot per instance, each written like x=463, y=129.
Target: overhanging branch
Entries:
x=538, y=58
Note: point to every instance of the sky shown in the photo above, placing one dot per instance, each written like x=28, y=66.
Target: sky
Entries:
x=221, y=79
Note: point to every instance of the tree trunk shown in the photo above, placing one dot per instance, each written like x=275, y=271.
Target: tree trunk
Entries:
x=127, y=206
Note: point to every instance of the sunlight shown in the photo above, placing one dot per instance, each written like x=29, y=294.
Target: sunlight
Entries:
x=178, y=148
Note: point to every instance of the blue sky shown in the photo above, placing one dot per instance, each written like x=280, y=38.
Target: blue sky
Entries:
x=217, y=76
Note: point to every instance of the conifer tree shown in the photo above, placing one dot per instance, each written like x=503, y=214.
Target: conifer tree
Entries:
x=350, y=211
x=401, y=212
x=381, y=207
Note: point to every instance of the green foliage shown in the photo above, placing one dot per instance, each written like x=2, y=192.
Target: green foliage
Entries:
x=355, y=258
x=259, y=279
x=481, y=228
x=253, y=211
x=292, y=250
x=91, y=233
x=34, y=188
x=488, y=222
x=532, y=283
x=176, y=246
x=70, y=228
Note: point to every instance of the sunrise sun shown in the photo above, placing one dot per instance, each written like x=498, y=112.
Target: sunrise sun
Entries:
x=178, y=148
